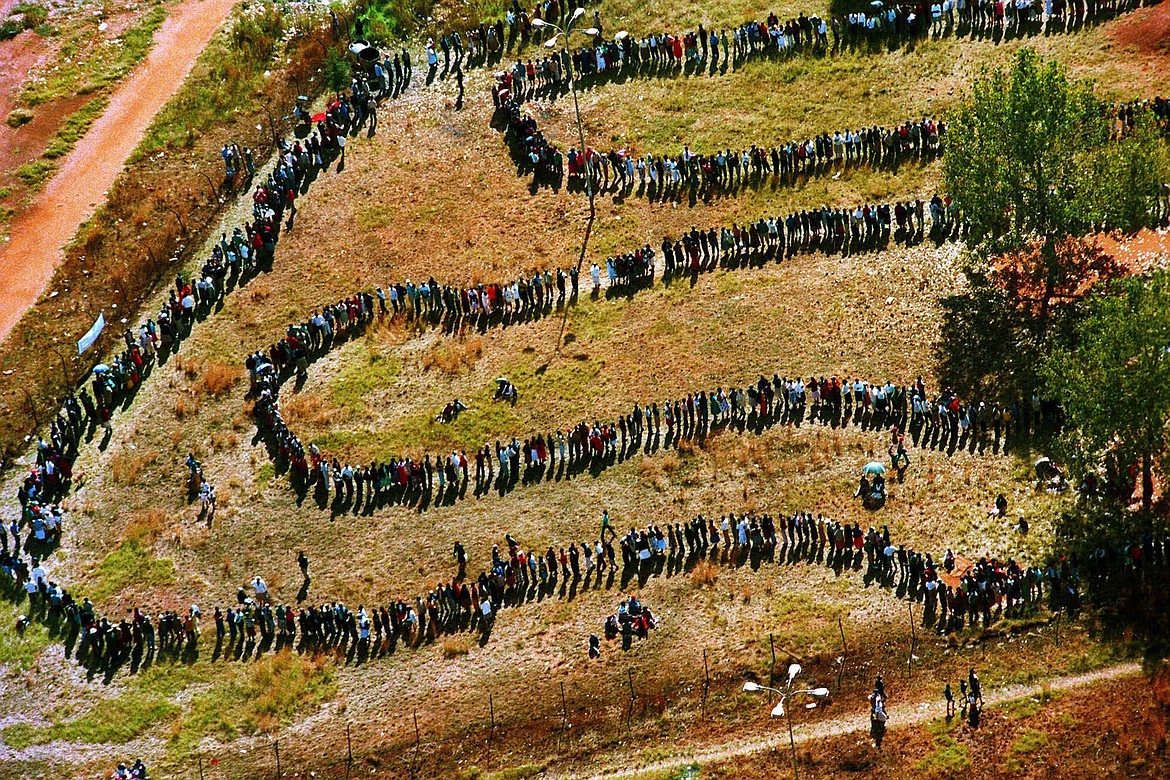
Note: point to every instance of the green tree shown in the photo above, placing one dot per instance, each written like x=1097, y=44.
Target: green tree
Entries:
x=1030, y=159
x=1033, y=166
x=337, y=69
x=1114, y=383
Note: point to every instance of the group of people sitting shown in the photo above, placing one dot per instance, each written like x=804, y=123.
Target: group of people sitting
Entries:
x=505, y=391
x=632, y=619
x=136, y=771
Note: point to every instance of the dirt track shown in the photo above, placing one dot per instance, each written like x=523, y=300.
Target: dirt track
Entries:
x=39, y=234
x=901, y=715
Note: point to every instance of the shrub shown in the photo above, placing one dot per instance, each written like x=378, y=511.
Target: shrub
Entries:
x=705, y=573
x=19, y=118
x=218, y=377
x=455, y=646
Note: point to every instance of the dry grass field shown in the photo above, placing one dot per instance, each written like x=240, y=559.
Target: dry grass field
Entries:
x=436, y=193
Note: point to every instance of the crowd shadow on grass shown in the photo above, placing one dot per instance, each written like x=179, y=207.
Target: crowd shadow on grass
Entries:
x=423, y=492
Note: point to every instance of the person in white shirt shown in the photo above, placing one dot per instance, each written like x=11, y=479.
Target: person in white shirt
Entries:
x=261, y=590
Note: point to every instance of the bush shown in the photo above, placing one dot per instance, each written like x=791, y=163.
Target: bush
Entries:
x=455, y=646
x=219, y=377
x=31, y=14
x=337, y=70
x=705, y=573
x=19, y=118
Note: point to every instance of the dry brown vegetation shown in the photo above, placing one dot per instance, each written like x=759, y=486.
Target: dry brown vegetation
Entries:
x=453, y=357
x=421, y=210
x=705, y=574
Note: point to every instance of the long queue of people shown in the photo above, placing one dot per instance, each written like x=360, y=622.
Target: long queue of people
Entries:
x=941, y=420
x=700, y=49
x=704, y=175
x=956, y=592
x=835, y=231
x=233, y=260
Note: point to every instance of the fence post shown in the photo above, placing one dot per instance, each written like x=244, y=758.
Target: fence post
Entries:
x=564, y=708
x=200, y=767
x=417, y=740
x=276, y=749
x=772, y=670
x=706, y=682
x=633, y=697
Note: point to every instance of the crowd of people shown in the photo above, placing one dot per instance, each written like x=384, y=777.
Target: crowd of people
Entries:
x=955, y=592
x=632, y=619
x=703, y=175
x=941, y=420
x=702, y=49
x=233, y=260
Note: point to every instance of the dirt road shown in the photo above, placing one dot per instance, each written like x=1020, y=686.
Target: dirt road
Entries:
x=859, y=722
x=39, y=234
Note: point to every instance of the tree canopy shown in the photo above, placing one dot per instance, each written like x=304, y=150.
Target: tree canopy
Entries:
x=1114, y=382
x=1034, y=162
x=1031, y=158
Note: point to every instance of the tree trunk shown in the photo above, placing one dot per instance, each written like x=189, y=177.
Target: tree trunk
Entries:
x=1147, y=482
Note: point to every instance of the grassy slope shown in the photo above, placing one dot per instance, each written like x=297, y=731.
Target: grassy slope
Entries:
x=407, y=206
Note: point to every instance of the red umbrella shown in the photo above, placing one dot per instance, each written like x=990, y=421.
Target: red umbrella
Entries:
x=319, y=117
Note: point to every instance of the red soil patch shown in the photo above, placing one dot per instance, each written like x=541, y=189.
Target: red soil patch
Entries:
x=39, y=233
x=1147, y=30
x=27, y=142
x=1139, y=252
x=18, y=57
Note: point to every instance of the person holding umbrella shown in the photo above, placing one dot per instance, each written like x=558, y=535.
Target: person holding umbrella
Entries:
x=876, y=490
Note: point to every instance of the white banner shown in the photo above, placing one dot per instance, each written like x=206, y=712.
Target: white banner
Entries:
x=87, y=341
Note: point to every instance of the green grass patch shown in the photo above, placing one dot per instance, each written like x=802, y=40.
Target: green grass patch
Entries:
x=227, y=702
x=949, y=758
x=36, y=173
x=24, y=16
x=83, y=68
x=264, y=474
x=76, y=126
x=112, y=722
x=259, y=697
x=20, y=651
x=1022, y=709
x=369, y=372
x=131, y=564
x=1030, y=741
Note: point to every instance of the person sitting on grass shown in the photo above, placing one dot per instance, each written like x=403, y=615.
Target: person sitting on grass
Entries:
x=451, y=411
x=505, y=391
